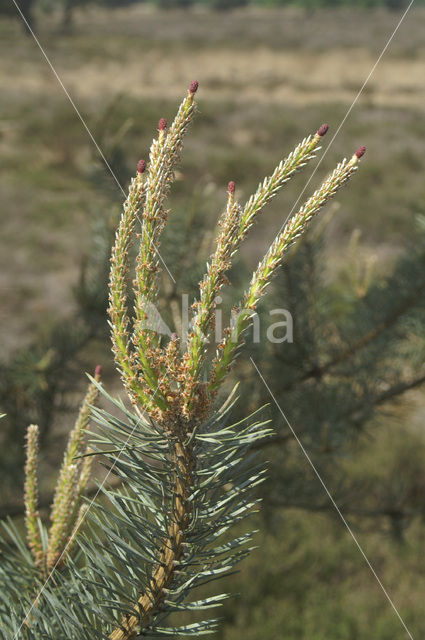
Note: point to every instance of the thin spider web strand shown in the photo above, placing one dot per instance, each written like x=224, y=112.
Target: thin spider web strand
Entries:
x=322, y=482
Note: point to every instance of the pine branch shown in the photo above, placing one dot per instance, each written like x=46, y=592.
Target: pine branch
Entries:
x=72, y=481
x=365, y=340
x=390, y=394
x=243, y=312
x=235, y=223
x=188, y=474
x=164, y=156
x=31, y=496
x=118, y=311
x=172, y=552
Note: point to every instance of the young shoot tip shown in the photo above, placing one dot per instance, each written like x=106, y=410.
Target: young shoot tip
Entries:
x=141, y=166
x=323, y=129
x=193, y=88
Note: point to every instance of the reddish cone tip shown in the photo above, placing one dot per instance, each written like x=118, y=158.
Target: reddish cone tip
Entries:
x=323, y=130
x=162, y=124
x=194, y=86
x=231, y=187
x=141, y=166
x=98, y=370
x=360, y=152
x=174, y=337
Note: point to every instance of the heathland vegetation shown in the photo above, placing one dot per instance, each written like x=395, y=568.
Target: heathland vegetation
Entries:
x=350, y=383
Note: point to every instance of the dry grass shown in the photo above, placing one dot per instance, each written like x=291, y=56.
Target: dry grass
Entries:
x=275, y=56
x=266, y=78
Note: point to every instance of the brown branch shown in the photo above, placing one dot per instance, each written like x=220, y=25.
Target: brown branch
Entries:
x=388, y=512
x=387, y=396
x=164, y=571
x=399, y=389
x=345, y=354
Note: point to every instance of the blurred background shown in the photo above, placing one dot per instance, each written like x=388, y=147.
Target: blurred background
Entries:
x=352, y=383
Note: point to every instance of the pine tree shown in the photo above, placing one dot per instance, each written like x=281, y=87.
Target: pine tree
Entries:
x=188, y=471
